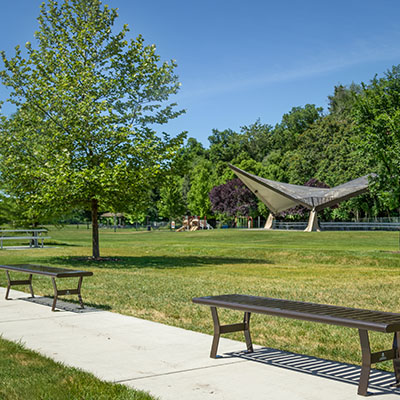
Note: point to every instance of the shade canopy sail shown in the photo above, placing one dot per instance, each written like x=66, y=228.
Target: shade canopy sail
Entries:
x=279, y=196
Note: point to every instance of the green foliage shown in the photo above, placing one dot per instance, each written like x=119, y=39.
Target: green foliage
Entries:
x=328, y=152
x=224, y=145
x=136, y=217
x=201, y=185
x=284, y=162
x=377, y=115
x=8, y=210
x=343, y=99
x=193, y=150
x=287, y=134
x=257, y=140
x=86, y=98
x=171, y=204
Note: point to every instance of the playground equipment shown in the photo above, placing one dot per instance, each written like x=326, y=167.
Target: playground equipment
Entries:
x=194, y=224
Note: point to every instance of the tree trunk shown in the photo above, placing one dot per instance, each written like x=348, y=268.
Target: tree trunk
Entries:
x=95, y=230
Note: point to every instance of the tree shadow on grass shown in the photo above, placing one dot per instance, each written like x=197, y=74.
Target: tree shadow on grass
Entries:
x=159, y=262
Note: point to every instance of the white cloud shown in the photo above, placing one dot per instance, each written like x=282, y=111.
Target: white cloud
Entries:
x=326, y=62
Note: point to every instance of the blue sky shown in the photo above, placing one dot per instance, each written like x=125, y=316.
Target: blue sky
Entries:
x=239, y=61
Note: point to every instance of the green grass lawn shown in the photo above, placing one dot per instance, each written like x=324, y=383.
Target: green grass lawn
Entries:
x=25, y=374
x=154, y=275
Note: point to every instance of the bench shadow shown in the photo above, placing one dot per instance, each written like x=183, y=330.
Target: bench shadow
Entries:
x=70, y=306
x=60, y=244
x=379, y=383
x=159, y=262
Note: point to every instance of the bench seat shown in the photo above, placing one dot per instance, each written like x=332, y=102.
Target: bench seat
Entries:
x=361, y=319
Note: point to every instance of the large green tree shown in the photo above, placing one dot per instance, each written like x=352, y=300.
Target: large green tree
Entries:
x=224, y=145
x=201, y=184
x=287, y=134
x=87, y=99
x=172, y=203
x=377, y=116
x=257, y=140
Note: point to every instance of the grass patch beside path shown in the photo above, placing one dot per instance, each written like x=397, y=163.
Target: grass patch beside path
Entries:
x=25, y=374
x=154, y=275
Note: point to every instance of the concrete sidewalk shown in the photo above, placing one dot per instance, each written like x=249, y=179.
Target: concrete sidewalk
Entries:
x=173, y=363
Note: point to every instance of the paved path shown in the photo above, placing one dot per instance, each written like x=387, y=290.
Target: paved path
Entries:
x=174, y=363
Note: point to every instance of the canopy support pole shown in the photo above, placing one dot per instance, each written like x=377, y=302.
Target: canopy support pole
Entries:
x=313, y=225
x=270, y=221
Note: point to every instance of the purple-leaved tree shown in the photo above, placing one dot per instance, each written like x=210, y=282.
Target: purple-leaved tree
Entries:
x=232, y=198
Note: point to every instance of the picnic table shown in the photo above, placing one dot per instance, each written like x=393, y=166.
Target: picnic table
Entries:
x=33, y=235
x=52, y=272
x=363, y=320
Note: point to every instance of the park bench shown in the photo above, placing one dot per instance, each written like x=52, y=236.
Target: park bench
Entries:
x=32, y=235
x=52, y=272
x=363, y=320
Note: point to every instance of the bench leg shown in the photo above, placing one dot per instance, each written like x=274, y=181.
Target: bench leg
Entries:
x=8, y=284
x=55, y=294
x=217, y=332
x=19, y=282
x=79, y=291
x=246, y=322
x=219, y=329
x=396, y=359
x=30, y=285
x=58, y=292
x=366, y=362
x=369, y=358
